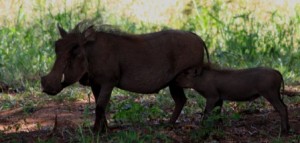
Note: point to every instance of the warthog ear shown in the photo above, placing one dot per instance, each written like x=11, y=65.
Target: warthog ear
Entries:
x=62, y=32
x=90, y=34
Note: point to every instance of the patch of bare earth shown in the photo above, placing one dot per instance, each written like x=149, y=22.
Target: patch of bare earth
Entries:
x=262, y=127
x=59, y=121
x=42, y=122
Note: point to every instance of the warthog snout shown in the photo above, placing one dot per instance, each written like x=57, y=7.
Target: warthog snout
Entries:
x=49, y=85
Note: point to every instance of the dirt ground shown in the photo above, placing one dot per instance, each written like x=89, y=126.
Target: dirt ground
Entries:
x=59, y=120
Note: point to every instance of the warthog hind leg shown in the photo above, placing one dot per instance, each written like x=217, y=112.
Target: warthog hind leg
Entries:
x=178, y=96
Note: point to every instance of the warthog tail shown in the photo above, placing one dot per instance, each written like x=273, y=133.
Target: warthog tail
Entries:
x=286, y=92
x=207, y=54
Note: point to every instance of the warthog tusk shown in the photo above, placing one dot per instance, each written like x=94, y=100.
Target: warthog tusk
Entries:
x=62, y=78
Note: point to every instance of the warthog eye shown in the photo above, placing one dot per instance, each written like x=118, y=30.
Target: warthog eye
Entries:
x=75, y=51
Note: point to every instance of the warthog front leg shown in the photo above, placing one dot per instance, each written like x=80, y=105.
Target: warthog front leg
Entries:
x=219, y=104
x=212, y=100
x=210, y=105
x=178, y=96
x=101, y=103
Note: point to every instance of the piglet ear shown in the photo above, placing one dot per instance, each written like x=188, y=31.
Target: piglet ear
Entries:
x=90, y=34
x=62, y=32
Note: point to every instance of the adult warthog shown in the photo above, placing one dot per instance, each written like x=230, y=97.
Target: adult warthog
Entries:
x=139, y=63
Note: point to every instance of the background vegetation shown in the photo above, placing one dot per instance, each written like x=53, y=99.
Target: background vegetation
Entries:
x=239, y=34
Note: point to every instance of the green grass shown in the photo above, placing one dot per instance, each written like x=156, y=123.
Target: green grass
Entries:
x=127, y=135
x=241, y=40
x=237, y=40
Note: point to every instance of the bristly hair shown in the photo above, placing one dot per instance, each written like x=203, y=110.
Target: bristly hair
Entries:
x=215, y=67
x=98, y=26
x=211, y=66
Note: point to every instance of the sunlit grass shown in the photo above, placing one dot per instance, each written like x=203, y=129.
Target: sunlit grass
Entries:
x=239, y=34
